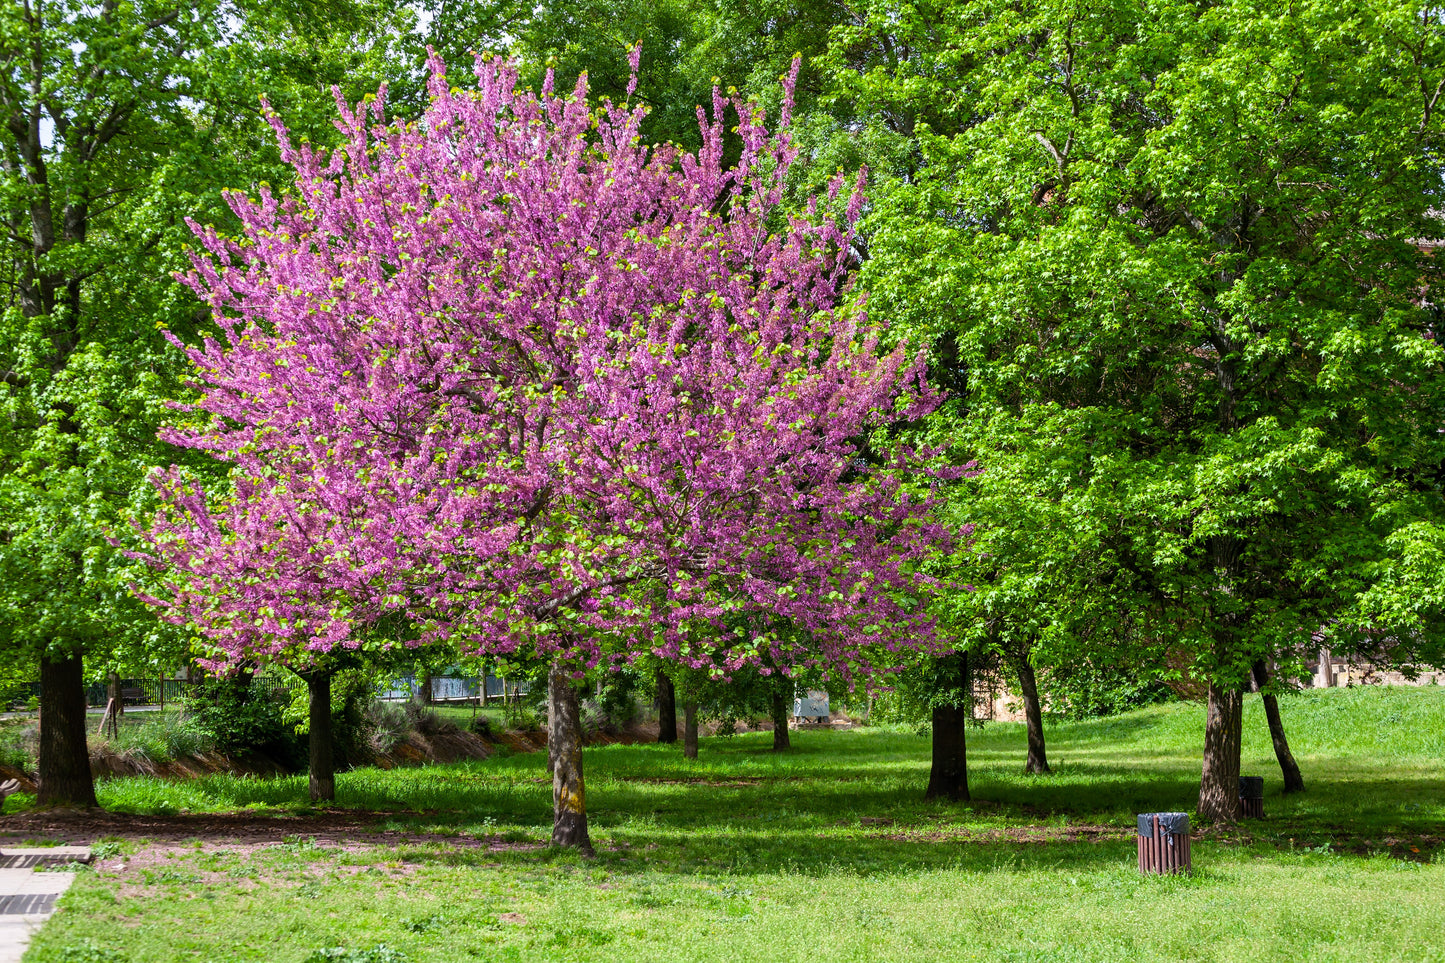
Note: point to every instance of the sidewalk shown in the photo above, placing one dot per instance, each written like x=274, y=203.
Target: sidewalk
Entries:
x=27, y=897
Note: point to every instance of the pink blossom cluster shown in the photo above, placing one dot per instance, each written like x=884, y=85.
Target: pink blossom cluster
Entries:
x=545, y=389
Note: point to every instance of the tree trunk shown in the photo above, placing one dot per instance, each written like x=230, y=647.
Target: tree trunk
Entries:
x=1293, y=781
x=323, y=762
x=689, y=730
x=1038, y=760
x=948, y=779
x=666, y=709
x=564, y=753
x=64, y=767
x=1219, y=780
x=780, y=721
x=426, y=696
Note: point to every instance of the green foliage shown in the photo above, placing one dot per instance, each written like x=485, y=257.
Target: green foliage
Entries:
x=1085, y=687
x=19, y=743
x=930, y=681
x=387, y=724
x=162, y=736
x=1154, y=255
x=242, y=714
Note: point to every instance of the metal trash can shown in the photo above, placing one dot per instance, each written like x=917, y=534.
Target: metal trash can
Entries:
x=1251, y=797
x=1164, y=843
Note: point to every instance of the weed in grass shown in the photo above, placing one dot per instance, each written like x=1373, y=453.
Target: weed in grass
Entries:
x=381, y=953
x=425, y=924
x=87, y=952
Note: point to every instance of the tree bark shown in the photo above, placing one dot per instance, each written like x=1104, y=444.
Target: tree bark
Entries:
x=689, y=730
x=323, y=762
x=64, y=767
x=1219, y=780
x=564, y=751
x=948, y=778
x=1293, y=781
x=1038, y=759
x=666, y=709
x=781, y=741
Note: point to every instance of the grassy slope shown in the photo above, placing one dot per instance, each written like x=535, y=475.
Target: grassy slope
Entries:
x=771, y=858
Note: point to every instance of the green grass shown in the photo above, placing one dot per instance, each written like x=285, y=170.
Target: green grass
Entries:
x=825, y=852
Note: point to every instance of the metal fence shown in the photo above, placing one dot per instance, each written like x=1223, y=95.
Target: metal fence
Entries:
x=154, y=691
x=447, y=688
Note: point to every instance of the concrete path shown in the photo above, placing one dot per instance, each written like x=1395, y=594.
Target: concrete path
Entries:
x=28, y=893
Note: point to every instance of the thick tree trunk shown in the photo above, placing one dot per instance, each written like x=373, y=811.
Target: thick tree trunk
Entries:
x=1293, y=781
x=689, y=730
x=564, y=751
x=1219, y=781
x=666, y=709
x=948, y=779
x=323, y=762
x=780, y=721
x=64, y=767
x=1038, y=760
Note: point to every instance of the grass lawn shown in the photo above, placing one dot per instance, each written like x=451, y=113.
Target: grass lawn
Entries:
x=822, y=853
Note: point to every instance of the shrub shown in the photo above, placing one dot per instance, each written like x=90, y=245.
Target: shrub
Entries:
x=352, y=693
x=1100, y=687
x=426, y=720
x=387, y=724
x=20, y=743
x=242, y=714
x=162, y=736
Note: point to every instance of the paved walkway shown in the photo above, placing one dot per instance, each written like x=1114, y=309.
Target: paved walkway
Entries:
x=27, y=897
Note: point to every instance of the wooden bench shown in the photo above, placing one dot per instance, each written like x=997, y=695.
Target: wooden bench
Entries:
x=130, y=695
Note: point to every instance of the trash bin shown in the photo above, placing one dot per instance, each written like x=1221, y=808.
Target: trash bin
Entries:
x=1251, y=797
x=1164, y=843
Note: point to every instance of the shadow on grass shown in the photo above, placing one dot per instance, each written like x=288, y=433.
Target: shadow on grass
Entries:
x=849, y=801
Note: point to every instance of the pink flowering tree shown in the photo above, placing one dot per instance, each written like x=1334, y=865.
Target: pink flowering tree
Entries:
x=546, y=390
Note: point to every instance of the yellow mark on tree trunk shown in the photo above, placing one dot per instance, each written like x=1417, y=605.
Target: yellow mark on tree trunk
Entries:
x=571, y=800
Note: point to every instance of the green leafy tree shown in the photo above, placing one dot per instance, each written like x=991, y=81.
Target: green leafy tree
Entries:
x=118, y=120
x=1182, y=239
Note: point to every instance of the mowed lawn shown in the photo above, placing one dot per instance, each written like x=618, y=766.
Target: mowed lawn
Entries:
x=824, y=853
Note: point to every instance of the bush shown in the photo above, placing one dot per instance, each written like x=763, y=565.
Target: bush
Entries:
x=242, y=714
x=352, y=693
x=1100, y=688
x=20, y=743
x=426, y=720
x=162, y=736
x=387, y=724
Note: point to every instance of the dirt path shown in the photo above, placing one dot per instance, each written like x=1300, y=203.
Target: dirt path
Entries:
x=82, y=827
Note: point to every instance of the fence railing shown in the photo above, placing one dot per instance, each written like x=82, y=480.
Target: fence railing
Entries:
x=141, y=691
